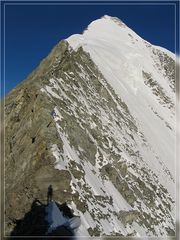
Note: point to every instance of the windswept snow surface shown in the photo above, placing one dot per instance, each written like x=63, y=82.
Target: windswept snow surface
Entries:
x=121, y=56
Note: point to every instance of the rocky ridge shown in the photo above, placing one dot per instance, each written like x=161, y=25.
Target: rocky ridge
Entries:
x=67, y=126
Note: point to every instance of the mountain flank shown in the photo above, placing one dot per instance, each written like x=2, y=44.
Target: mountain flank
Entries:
x=96, y=120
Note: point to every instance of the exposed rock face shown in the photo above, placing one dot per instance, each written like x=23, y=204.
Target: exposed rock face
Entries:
x=67, y=126
x=29, y=135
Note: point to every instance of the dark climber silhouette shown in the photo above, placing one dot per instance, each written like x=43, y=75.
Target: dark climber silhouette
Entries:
x=34, y=223
x=49, y=194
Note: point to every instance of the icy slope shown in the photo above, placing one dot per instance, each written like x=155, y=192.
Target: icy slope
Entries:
x=127, y=62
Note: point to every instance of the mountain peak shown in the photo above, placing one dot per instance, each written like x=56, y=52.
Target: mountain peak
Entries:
x=114, y=19
x=85, y=123
x=106, y=29
x=105, y=21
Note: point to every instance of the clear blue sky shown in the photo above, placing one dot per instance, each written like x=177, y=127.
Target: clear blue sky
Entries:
x=31, y=31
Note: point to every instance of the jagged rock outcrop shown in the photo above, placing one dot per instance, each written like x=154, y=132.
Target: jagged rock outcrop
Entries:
x=69, y=126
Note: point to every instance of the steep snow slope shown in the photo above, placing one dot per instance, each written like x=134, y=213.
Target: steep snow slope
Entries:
x=137, y=125
x=96, y=121
x=126, y=60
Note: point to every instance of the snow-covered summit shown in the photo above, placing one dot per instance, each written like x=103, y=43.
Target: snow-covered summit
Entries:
x=106, y=28
x=126, y=60
x=115, y=19
x=106, y=18
x=113, y=30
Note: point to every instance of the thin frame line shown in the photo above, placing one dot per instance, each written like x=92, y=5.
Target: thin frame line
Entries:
x=93, y=3
x=70, y=1
x=73, y=3
x=4, y=45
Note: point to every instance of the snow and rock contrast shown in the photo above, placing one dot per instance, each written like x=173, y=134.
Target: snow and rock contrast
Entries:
x=96, y=120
